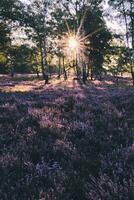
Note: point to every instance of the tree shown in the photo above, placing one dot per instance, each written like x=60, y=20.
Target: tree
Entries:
x=36, y=20
x=117, y=61
x=83, y=18
x=27, y=61
x=126, y=11
x=99, y=38
x=4, y=46
x=11, y=11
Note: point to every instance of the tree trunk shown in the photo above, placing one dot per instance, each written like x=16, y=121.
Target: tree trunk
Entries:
x=12, y=71
x=91, y=72
x=132, y=32
x=42, y=64
x=84, y=75
x=43, y=57
x=37, y=68
x=88, y=69
x=37, y=73
x=65, y=74
x=127, y=38
x=59, y=73
x=132, y=22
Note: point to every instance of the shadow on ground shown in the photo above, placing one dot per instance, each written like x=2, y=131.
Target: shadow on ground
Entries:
x=67, y=141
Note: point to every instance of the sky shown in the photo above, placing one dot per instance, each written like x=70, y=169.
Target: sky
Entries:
x=25, y=1
x=112, y=23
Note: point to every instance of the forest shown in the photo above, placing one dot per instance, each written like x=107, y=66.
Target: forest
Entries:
x=66, y=100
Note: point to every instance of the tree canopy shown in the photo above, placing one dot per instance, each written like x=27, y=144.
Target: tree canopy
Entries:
x=48, y=24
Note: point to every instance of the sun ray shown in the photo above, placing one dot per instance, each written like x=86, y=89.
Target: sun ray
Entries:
x=81, y=23
x=91, y=34
x=75, y=43
x=69, y=31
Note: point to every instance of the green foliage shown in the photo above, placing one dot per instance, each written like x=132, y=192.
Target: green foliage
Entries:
x=11, y=10
x=4, y=46
x=99, y=38
x=125, y=10
x=22, y=59
x=117, y=61
x=3, y=63
x=4, y=36
x=88, y=18
x=44, y=22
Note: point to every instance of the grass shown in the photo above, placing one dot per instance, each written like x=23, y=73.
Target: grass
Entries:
x=66, y=141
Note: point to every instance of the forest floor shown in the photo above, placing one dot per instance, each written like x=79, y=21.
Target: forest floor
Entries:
x=66, y=141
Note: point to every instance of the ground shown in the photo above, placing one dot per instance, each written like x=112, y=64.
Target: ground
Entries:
x=65, y=140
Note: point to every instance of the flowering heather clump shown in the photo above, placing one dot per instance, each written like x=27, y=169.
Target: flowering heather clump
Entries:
x=66, y=141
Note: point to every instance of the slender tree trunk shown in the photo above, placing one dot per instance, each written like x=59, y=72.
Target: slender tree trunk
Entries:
x=12, y=71
x=84, y=74
x=76, y=63
x=50, y=72
x=43, y=45
x=37, y=68
x=65, y=74
x=59, y=73
x=91, y=72
x=132, y=22
x=88, y=69
x=46, y=78
x=127, y=38
x=42, y=63
x=132, y=32
x=37, y=72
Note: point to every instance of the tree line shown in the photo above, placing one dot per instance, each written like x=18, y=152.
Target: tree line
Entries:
x=46, y=22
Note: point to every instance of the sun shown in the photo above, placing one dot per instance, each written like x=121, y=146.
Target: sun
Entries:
x=73, y=43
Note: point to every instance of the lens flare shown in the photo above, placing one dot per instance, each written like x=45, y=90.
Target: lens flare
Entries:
x=73, y=43
x=76, y=43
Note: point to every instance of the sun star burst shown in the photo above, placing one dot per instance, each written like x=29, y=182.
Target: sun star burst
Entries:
x=73, y=44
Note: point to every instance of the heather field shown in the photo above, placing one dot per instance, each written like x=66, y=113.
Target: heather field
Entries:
x=65, y=140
